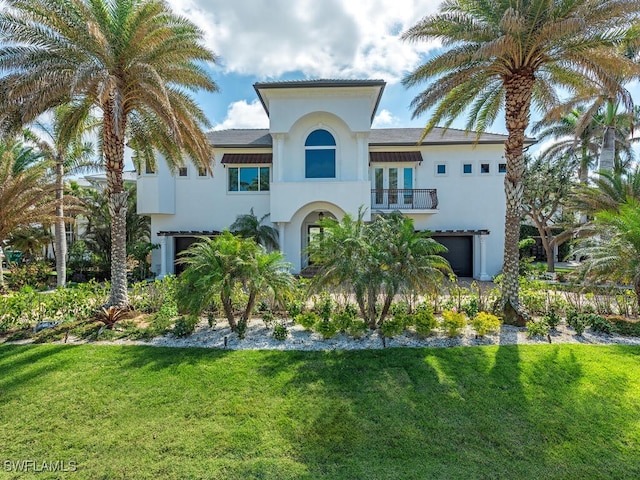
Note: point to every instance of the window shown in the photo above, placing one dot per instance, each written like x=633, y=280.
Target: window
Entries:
x=502, y=168
x=149, y=168
x=182, y=172
x=392, y=186
x=202, y=172
x=249, y=179
x=484, y=168
x=467, y=168
x=320, y=155
x=441, y=169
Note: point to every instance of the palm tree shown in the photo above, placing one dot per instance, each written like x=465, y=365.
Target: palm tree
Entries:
x=376, y=260
x=505, y=55
x=215, y=267
x=609, y=191
x=250, y=226
x=132, y=61
x=614, y=254
x=27, y=194
x=70, y=156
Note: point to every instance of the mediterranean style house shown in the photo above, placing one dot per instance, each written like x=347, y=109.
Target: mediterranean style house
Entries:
x=320, y=157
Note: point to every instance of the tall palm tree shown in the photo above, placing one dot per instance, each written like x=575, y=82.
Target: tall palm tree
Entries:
x=27, y=194
x=70, y=155
x=504, y=55
x=250, y=226
x=132, y=61
x=608, y=192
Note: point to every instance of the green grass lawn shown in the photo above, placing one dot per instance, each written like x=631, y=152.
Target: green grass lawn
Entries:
x=535, y=411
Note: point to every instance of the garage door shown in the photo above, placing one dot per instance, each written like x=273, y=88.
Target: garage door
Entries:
x=460, y=254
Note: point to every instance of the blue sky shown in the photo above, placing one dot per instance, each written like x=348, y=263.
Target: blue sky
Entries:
x=259, y=40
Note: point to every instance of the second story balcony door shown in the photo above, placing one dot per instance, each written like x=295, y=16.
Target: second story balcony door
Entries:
x=393, y=186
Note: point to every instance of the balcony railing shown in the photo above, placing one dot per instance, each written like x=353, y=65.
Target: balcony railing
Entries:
x=404, y=199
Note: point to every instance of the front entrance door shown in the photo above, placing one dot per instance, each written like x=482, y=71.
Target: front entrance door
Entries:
x=313, y=232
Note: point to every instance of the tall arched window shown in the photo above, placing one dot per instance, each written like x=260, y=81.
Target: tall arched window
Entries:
x=320, y=155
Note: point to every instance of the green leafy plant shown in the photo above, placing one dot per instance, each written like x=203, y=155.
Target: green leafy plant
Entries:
x=453, y=322
x=537, y=329
x=484, y=323
x=392, y=327
x=424, y=320
x=267, y=318
x=471, y=307
x=295, y=308
x=326, y=328
x=280, y=332
x=552, y=319
x=185, y=326
x=307, y=320
x=357, y=329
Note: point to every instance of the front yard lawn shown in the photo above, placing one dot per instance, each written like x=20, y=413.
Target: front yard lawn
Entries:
x=532, y=411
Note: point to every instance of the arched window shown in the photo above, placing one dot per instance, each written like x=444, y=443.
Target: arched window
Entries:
x=320, y=155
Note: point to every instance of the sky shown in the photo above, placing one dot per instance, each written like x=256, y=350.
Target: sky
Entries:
x=274, y=40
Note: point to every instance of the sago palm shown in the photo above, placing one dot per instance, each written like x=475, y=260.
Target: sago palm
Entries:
x=249, y=225
x=133, y=61
x=504, y=55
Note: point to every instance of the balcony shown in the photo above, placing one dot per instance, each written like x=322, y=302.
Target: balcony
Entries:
x=404, y=199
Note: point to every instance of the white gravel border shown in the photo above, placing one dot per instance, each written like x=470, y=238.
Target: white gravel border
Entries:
x=258, y=337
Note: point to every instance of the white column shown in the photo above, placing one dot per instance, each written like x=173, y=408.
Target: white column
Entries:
x=163, y=255
x=483, y=259
x=281, y=228
x=277, y=156
x=363, y=156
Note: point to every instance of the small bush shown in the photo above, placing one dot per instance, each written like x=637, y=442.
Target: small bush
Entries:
x=326, y=328
x=211, y=319
x=307, y=320
x=294, y=309
x=343, y=320
x=185, y=326
x=485, y=323
x=280, y=332
x=324, y=306
x=598, y=323
x=537, y=329
x=453, y=322
x=392, y=327
x=424, y=320
x=471, y=307
x=624, y=326
x=357, y=329
x=267, y=318
x=552, y=318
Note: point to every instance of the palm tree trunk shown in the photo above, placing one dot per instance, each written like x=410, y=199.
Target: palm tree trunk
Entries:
x=608, y=150
x=113, y=145
x=60, y=233
x=1, y=271
x=518, y=89
x=228, y=310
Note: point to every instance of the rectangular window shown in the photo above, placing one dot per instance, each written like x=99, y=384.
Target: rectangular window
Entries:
x=249, y=179
x=393, y=185
x=502, y=168
x=202, y=172
x=408, y=186
x=182, y=172
x=484, y=168
x=379, y=185
x=466, y=168
x=441, y=169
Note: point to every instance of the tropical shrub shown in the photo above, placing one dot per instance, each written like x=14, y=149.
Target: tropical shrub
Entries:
x=38, y=275
x=537, y=329
x=185, y=325
x=392, y=327
x=307, y=320
x=267, y=318
x=453, y=322
x=280, y=332
x=484, y=323
x=327, y=328
x=358, y=328
x=424, y=320
x=471, y=307
x=552, y=319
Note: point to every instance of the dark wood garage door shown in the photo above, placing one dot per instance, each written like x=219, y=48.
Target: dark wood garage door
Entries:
x=460, y=254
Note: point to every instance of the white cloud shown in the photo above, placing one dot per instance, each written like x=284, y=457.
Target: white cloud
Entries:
x=329, y=39
x=385, y=119
x=244, y=115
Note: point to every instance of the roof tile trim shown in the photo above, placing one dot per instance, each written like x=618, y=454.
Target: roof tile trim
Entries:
x=394, y=157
